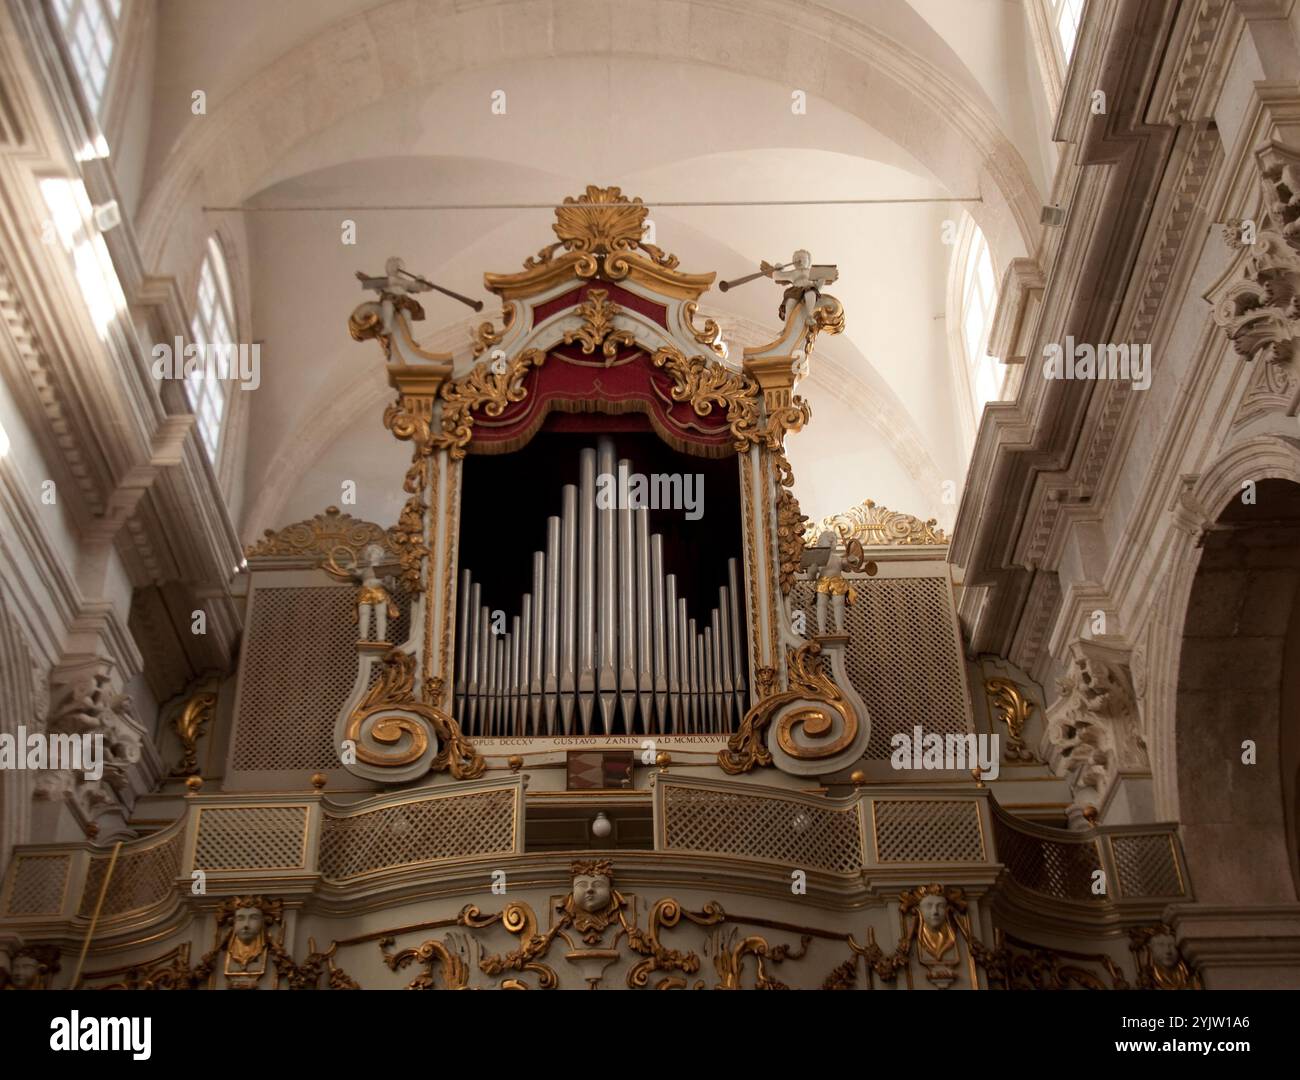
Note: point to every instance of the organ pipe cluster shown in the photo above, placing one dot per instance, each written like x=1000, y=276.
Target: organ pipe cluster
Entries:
x=603, y=640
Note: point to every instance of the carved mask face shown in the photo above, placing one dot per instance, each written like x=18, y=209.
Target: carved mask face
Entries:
x=934, y=911
x=248, y=924
x=1164, y=951
x=591, y=892
x=26, y=972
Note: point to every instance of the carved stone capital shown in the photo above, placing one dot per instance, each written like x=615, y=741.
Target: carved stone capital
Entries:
x=92, y=720
x=1093, y=732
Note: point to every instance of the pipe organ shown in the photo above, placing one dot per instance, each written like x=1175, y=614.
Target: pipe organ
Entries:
x=602, y=643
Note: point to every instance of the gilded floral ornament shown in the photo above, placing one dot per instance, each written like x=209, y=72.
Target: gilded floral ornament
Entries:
x=406, y=540
x=871, y=524
x=790, y=522
x=602, y=221
x=334, y=539
x=705, y=384
x=598, y=313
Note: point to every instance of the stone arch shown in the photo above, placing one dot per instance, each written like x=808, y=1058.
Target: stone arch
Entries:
x=1237, y=649
x=378, y=52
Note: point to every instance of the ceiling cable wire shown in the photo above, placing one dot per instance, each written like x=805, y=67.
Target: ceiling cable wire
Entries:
x=647, y=204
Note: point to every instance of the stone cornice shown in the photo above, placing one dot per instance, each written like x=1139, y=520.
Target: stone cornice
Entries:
x=1021, y=471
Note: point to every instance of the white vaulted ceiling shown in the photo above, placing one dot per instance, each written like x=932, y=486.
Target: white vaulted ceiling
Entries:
x=348, y=104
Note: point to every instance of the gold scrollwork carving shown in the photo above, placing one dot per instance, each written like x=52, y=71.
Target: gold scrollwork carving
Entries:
x=333, y=538
x=486, y=335
x=364, y=325
x=709, y=334
x=450, y=955
x=705, y=384
x=1013, y=964
x=490, y=386
x=808, y=682
x=393, y=693
x=871, y=524
x=1009, y=705
x=728, y=955
x=598, y=313
x=665, y=914
x=518, y=919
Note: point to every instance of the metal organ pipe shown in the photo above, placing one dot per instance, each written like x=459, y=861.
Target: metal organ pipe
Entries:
x=627, y=600
x=586, y=587
x=551, y=657
x=660, y=631
x=603, y=631
x=568, y=604
x=607, y=590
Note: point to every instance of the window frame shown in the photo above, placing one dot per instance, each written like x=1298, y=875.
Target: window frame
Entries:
x=214, y=320
x=71, y=17
x=972, y=254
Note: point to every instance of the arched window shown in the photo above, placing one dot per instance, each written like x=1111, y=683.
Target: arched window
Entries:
x=90, y=29
x=1065, y=16
x=211, y=329
x=979, y=298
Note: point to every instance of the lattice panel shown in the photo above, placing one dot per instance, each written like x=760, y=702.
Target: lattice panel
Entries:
x=1146, y=865
x=299, y=661
x=928, y=831
x=451, y=827
x=1055, y=867
x=140, y=878
x=902, y=656
x=762, y=827
x=250, y=838
x=38, y=884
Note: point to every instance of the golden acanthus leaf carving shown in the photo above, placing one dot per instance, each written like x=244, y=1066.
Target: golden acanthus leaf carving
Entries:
x=188, y=725
x=811, y=683
x=394, y=691
x=704, y=384
x=871, y=524
x=597, y=328
x=490, y=386
x=1009, y=704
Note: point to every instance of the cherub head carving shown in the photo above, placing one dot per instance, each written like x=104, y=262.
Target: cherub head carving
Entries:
x=935, y=914
x=242, y=925
x=1159, y=962
x=934, y=910
x=593, y=903
x=32, y=966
